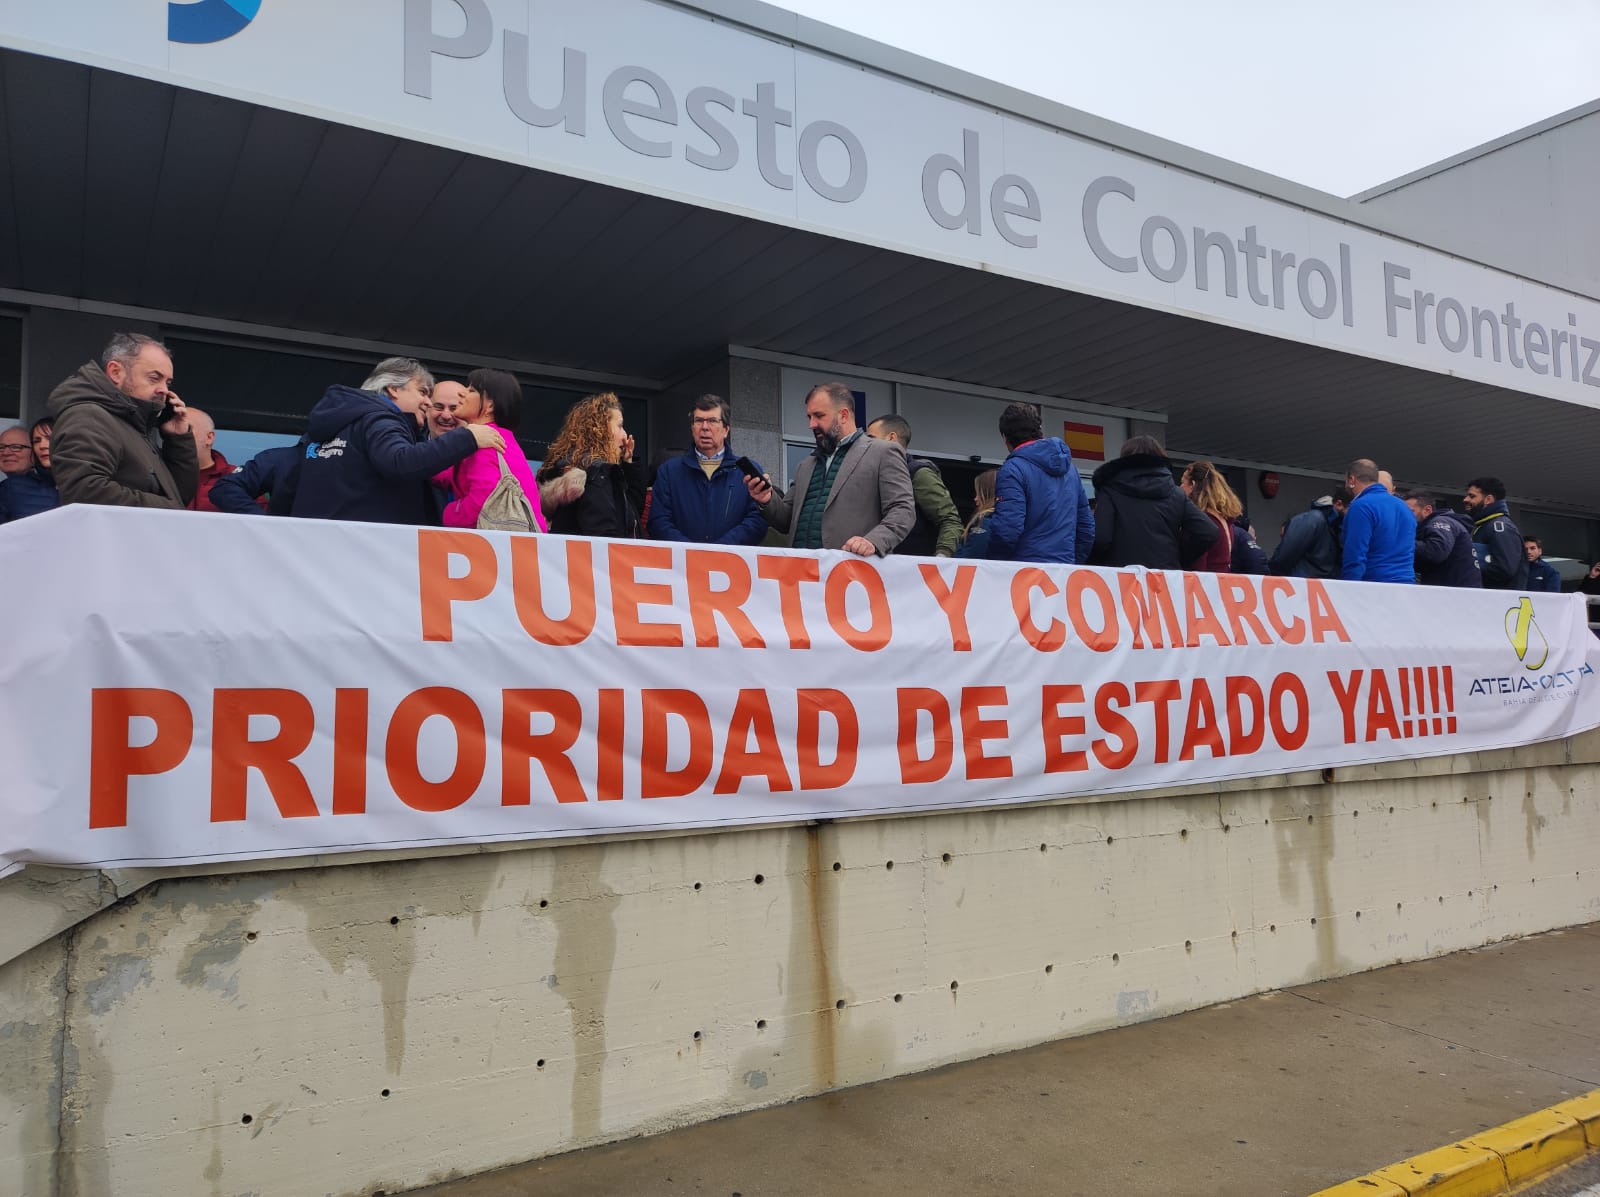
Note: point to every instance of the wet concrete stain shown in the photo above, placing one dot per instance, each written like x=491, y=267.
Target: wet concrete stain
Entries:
x=30, y=1061
x=584, y=910
x=208, y=959
x=811, y=947
x=373, y=915
x=119, y=976
x=213, y=1169
x=1533, y=821
x=1306, y=844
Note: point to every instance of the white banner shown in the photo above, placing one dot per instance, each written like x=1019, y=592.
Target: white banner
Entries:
x=183, y=688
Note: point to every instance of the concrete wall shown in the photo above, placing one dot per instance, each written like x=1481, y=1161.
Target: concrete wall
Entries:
x=379, y=1024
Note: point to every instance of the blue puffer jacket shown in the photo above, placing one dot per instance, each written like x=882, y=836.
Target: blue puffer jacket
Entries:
x=366, y=461
x=1040, y=511
x=27, y=493
x=1380, y=539
x=686, y=505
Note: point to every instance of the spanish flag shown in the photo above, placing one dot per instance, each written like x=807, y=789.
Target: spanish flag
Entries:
x=1087, y=441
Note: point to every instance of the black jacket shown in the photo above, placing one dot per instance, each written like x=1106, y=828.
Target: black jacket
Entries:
x=1444, y=552
x=1142, y=518
x=602, y=499
x=1498, y=544
x=366, y=460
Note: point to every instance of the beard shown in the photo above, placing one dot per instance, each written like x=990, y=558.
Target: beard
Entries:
x=828, y=440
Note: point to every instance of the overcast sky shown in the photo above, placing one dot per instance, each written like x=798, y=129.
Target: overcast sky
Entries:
x=1337, y=94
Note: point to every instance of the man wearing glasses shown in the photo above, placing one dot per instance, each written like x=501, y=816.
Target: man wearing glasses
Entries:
x=109, y=419
x=701, y=497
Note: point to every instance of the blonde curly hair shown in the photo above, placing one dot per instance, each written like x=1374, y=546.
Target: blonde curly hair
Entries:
x=585, y=435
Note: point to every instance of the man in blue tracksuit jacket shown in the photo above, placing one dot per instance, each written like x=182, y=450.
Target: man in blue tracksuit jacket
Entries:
x=1380, y=533
x=701, y=496
x=1040, y=511
x=366, y=458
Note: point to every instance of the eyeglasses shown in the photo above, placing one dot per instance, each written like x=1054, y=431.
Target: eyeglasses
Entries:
x=707, y=421
x=13, y=448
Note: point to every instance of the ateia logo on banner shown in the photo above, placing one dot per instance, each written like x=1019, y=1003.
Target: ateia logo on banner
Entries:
x=209, y=21
x=371, y=686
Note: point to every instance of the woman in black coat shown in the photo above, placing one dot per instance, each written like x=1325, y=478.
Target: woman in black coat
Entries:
x=1140, y=515
x=588, y=485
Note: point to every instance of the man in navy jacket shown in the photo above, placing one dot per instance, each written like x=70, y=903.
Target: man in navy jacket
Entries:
x=1496, y=539
x=701, y=496
x=367, y=459
x=1444, y=544
x=1541, y=574
x=1040, y=511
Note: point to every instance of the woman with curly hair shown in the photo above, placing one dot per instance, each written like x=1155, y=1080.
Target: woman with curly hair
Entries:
x=587, y=484
x=1210, y=492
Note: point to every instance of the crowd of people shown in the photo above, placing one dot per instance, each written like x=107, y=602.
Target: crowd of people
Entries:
x=405, y=449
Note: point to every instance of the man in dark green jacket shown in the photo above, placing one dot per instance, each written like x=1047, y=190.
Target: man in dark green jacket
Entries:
x=122, y=435
x=937, y=532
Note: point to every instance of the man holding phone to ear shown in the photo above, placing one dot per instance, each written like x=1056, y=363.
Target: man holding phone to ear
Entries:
x=122, y=435
x=701, y=496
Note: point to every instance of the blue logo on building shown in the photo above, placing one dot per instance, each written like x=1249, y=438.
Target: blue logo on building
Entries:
x=208, y=21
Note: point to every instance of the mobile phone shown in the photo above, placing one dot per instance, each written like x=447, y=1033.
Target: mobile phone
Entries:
x=750, y=468
x=167, y=412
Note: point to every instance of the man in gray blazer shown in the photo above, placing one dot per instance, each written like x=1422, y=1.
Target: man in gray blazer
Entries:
x=853, y=493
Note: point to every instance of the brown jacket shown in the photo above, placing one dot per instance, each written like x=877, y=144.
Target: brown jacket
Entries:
x=103, y=447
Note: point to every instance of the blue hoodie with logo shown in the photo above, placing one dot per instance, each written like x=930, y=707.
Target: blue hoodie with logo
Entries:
x=366, y=460
x=1040, y=511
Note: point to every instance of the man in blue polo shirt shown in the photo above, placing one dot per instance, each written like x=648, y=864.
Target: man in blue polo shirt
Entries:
x=1380, y=533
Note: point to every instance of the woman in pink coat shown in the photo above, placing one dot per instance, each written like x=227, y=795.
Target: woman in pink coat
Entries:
x=492, y=397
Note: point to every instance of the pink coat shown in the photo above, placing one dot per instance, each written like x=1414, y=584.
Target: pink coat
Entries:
x=474, y=479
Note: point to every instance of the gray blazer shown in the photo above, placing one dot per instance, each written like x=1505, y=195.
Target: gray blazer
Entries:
x=871, y=497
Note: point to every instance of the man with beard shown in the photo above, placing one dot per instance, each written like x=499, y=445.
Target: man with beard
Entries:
x=854, y=493
x=122, y=435
x=1495, y=538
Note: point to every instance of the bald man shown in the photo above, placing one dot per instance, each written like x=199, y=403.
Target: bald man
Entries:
x=213, y=465
x=441, y=409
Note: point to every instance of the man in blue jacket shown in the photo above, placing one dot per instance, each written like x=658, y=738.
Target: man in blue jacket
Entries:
x=701, y=496
x=1541, y=574
x=367, y=457
x=1040, y=511
x=1380, y=533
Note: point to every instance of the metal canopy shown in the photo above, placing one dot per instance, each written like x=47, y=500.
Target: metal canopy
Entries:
x=128, y=191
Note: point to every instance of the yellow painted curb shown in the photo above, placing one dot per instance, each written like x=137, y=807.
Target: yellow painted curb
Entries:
x=1492, y=1162
x=1586, y=1110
